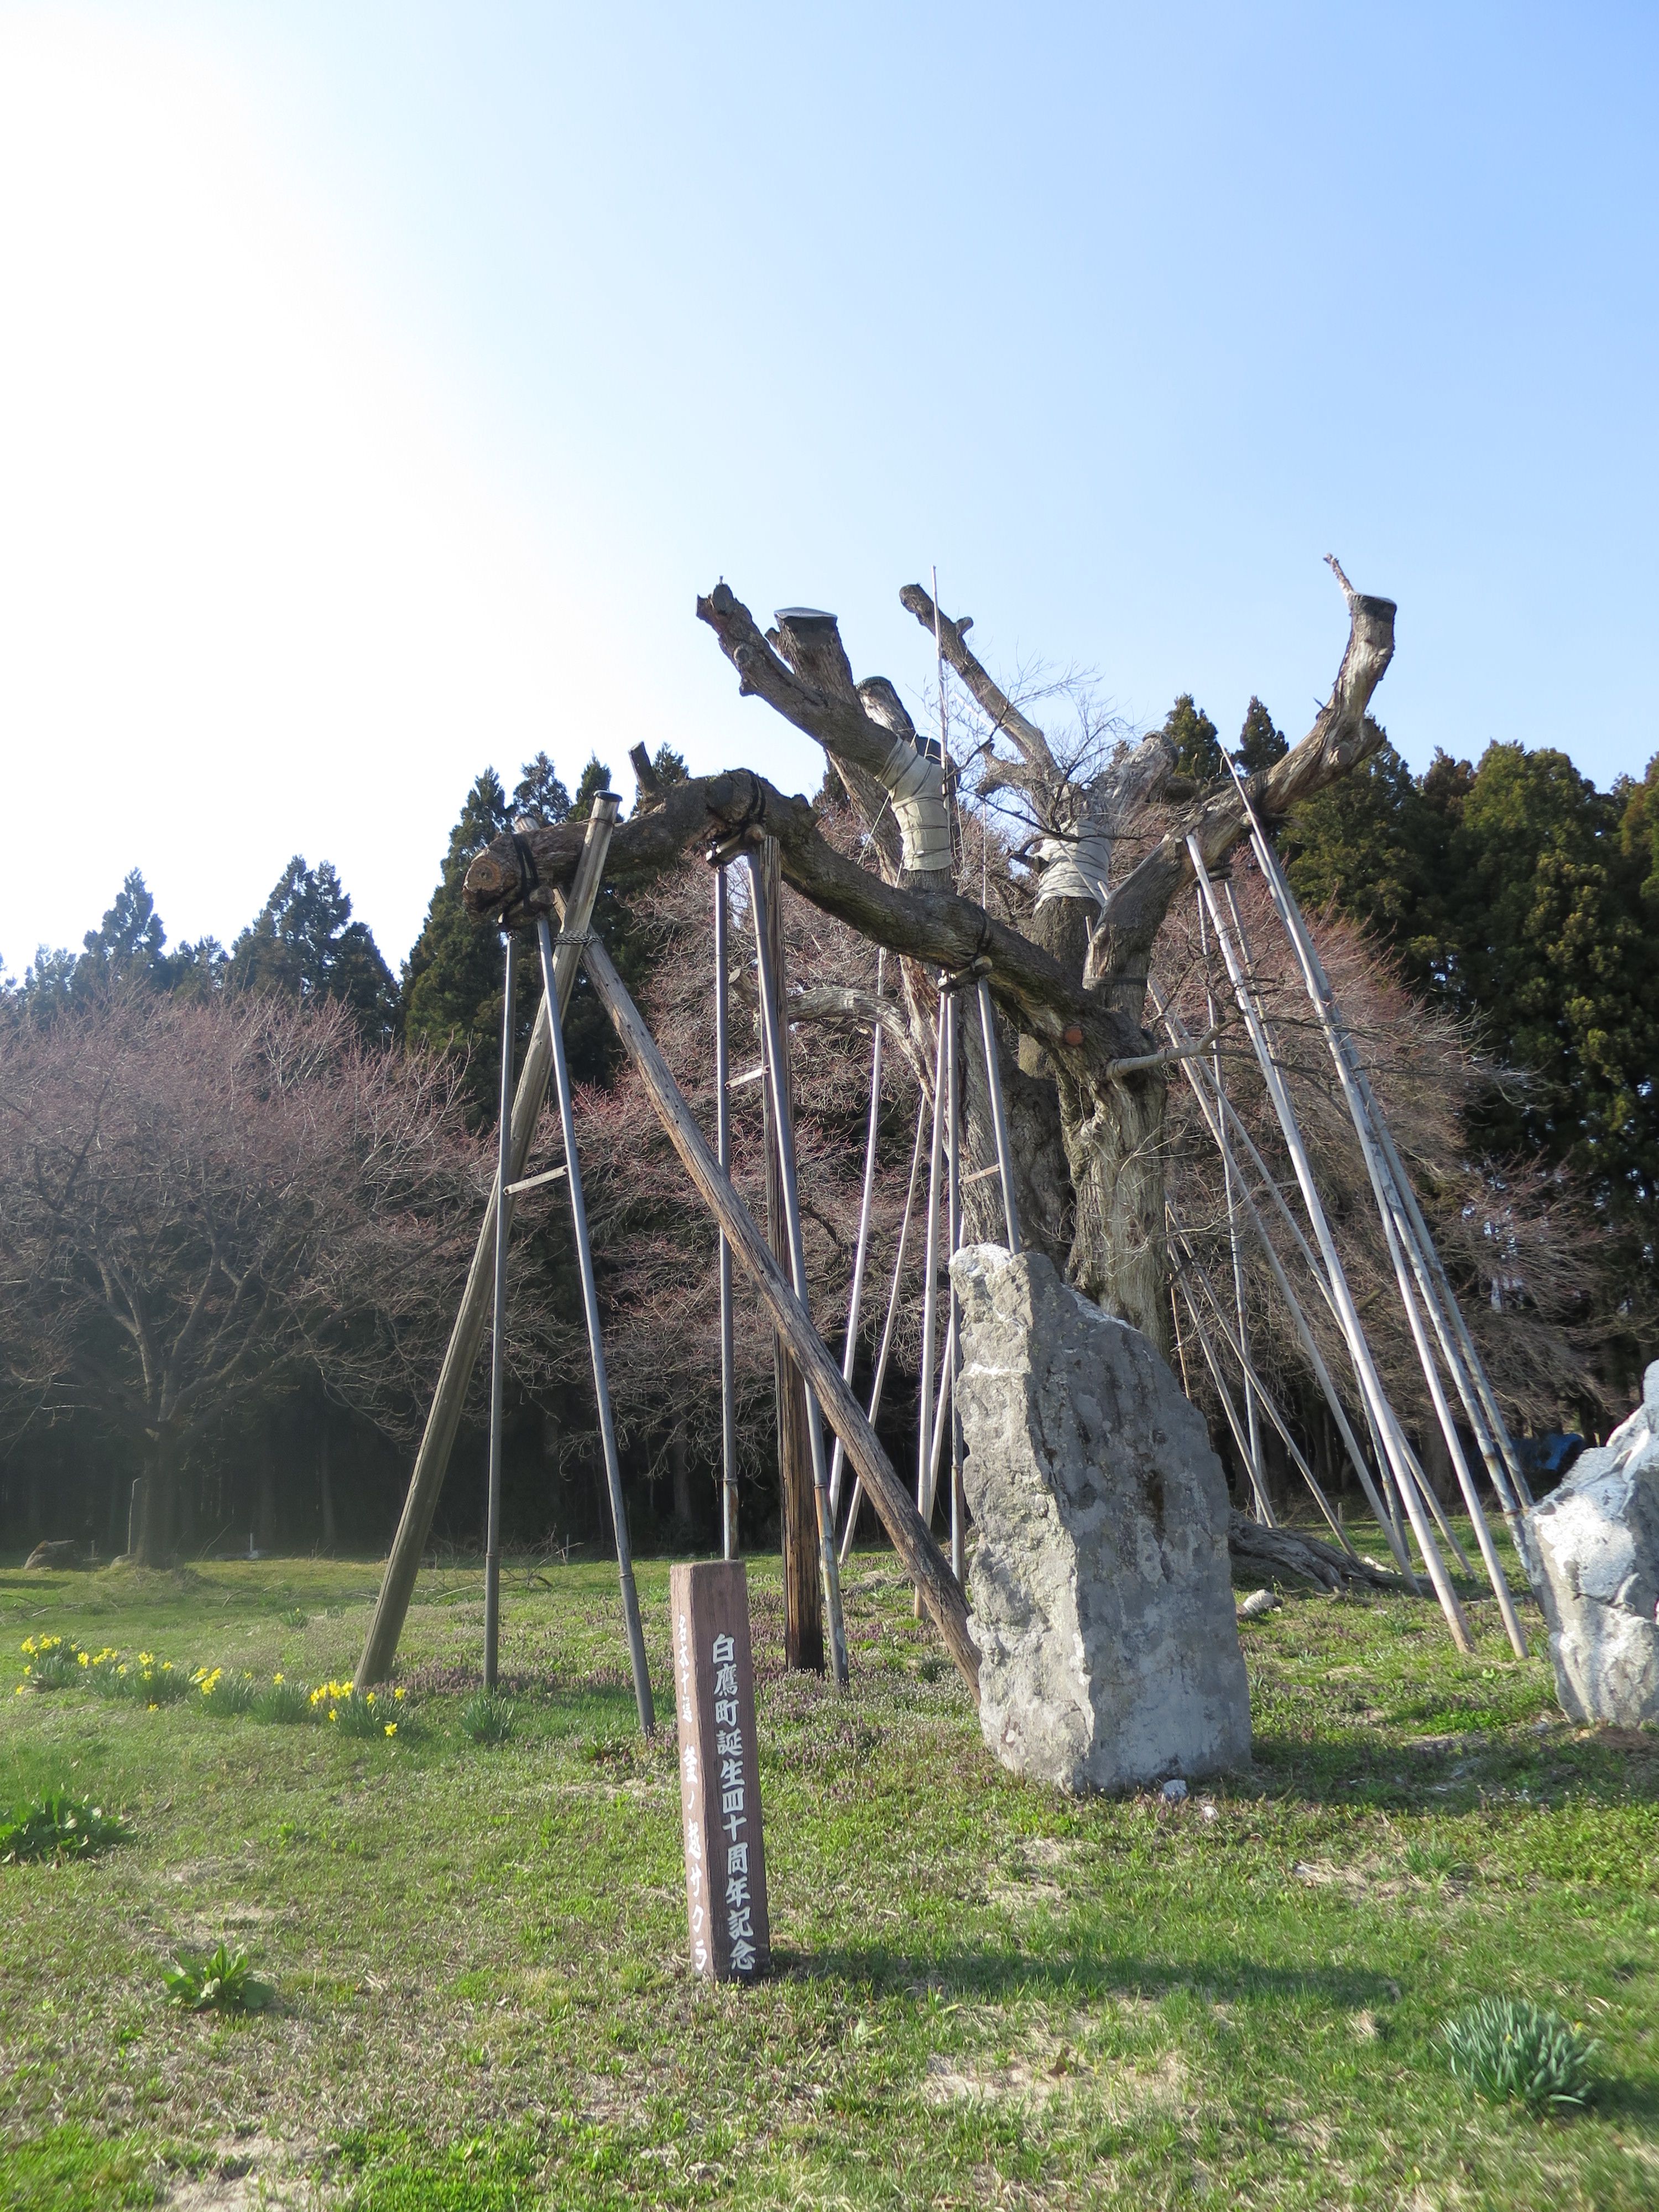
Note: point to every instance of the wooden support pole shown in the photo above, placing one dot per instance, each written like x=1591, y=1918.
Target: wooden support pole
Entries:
x=803, y=1598
x=437, y=1440
x=918, y=1553
x=723, y=1146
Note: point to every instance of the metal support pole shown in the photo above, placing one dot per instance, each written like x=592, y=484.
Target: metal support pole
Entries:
x=1391, y=1210
x=891, y=1323
x=1364, y=1368
x=998, y=1117
x=953, y=1239
x=1388, y=1522
x=771, y=1032
x=631, y=1596
x=1457, y=1347
x=929, y=1283
x=498, y=1332
x=431, y=1461
x=723, y=1152
x=856, y=1294
x=1251, y=1421
x=1239, y=1347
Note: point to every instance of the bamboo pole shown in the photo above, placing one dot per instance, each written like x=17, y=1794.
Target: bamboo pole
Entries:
x=723, y=1149
x=438, y=1439
x=772, y=1032
x=1371, y=1383
x=498, y=1333
x=631, y=1596
x=918, y=1553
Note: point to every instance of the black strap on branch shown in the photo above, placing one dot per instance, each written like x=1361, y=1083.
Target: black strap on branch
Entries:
x=529, y=879
x=727, y=847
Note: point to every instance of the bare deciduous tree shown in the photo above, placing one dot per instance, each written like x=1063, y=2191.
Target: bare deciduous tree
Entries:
x=198, y=1198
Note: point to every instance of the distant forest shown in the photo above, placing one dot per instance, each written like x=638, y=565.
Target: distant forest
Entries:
x=239, y=1185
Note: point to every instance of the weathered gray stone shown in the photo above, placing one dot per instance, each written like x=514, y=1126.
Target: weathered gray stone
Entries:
x=1102, y=1600
x=1596, y=1542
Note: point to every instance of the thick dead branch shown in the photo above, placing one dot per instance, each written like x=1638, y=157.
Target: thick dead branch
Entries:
x=1342, y=736
x=993, y=700
x=933, y=926
x=1261, y=1550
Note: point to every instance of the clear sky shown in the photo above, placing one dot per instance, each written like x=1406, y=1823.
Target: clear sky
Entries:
x=380, y=383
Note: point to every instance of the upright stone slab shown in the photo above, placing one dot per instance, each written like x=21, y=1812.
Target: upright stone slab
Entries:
x=719, y=1771
x=1101, y=1599
x=1596, y=1542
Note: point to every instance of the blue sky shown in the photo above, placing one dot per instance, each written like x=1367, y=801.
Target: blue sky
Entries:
x=384, y=381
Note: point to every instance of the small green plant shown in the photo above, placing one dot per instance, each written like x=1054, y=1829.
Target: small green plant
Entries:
x=57, y=1826
x=488, y=1718
x=223, y=1692
x=279, y=1699
x=1510, y=2048
x=222, y=1981
x=294, y=1617
x=1437, y=1863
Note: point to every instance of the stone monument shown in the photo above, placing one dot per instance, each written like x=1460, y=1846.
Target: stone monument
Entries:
x=1595, y=1546
x=1101, y=1593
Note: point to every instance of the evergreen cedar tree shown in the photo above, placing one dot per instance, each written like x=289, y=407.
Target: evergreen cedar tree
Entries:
x=1198, y=743
x=451, y=983
x=304, y=943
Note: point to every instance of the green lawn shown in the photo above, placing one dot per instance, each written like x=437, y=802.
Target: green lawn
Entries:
x=986, y=1995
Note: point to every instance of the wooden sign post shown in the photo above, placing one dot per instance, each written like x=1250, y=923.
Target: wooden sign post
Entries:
x=719, y=1771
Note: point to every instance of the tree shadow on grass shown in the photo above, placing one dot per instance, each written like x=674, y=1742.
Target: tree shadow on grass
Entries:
x=1081, y=1975
x=1451, y=1773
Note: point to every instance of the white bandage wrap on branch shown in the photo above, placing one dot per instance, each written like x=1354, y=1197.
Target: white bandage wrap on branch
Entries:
x=915, y=782
x=1078, y=867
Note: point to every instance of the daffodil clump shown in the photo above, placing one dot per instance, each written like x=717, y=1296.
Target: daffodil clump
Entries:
x=366, y=1712
x=50, y=1662
x=57, y=1663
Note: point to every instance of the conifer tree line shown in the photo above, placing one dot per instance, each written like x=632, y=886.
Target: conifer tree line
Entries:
x=238, y=1184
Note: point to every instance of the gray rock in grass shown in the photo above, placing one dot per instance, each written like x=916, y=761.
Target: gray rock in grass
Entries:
x=1101, y=1593
x=1595, y=1546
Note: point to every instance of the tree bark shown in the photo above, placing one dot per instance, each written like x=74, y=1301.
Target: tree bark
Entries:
x=326, y=1484
x=156, y=1519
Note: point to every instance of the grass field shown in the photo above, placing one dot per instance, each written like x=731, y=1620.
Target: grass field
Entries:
x=987, y=1995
